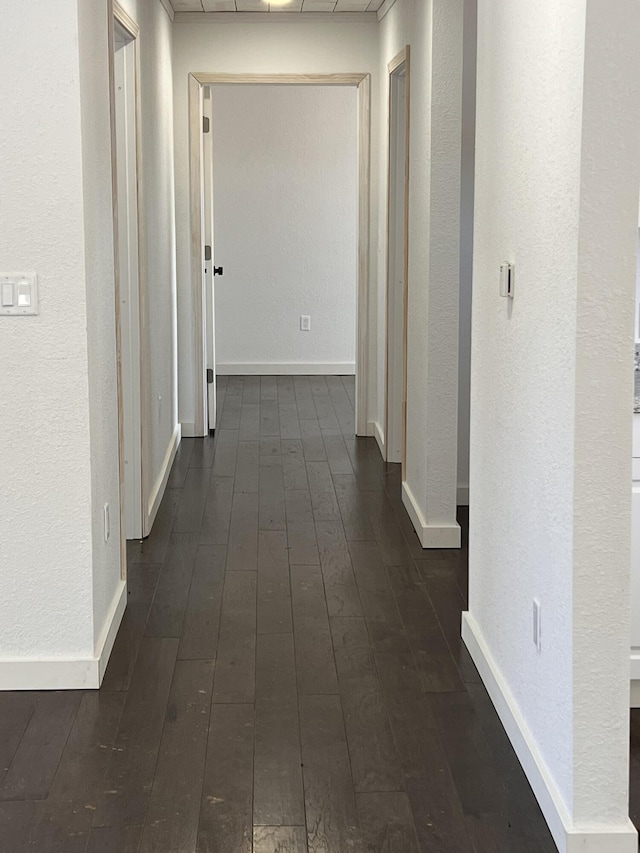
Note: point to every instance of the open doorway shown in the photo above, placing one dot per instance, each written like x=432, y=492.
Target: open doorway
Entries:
x=125, y=139
x=202, y=130
x=397, y=260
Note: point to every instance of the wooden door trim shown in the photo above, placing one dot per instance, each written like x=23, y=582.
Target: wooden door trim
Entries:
x=125, y=20
x=363, y=84
x=118, y=14
x=111, y=11
x=403, y=58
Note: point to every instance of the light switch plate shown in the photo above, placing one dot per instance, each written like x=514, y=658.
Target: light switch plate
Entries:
x=19, y=294
x=507, y=280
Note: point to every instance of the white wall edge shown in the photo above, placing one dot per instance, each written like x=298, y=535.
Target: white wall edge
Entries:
x=276, y=17
x=67, y=673
x=161, y=483
x=166, y=5
x=463, y=495
x=188, y=429
x=376, y=431
x=386, y=7
x=430, y=535
x=621, y=838
x=287, y=369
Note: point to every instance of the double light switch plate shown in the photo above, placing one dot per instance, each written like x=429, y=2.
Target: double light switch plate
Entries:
x=18, y=294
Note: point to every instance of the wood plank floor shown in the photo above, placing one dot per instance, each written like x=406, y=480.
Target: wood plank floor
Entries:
x=289, y=676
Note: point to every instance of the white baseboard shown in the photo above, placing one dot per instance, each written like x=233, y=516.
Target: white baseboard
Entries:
x=187, y=430
x=430, y=536
x=463, y=495
x=569, y=838
x=161, y=483
x=67, y=673
x=294, y=368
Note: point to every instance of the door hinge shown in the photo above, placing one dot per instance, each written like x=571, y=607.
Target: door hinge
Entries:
x=207, y=253
x=205, y=124
x=209, y=376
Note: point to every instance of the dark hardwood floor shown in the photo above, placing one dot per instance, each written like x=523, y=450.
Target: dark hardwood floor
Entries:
x=289, y=674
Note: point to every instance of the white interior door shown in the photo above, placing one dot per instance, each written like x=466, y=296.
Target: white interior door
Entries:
x=209, y=278
x=127, y=236
x=396, y=350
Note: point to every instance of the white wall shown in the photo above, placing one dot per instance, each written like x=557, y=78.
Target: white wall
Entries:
x=285, y=191
x=158, y=238
x=434, y=31
x=58, y=375
x=295, y=47
x=551, y=398
x=62, y=592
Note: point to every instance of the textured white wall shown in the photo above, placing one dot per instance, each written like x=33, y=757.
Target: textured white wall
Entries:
x=603, y=420
x=435, y=32
x=158, y=198
x=58, y=466
x=258, y=48
x=46, y=606
x=285, y=177
x=551, y=383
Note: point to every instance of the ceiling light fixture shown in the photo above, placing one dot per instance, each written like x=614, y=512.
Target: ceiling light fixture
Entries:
x=279, y=2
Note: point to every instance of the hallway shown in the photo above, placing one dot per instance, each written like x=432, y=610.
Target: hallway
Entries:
x=289, y=668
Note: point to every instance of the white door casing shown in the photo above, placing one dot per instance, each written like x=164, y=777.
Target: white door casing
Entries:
x=397, y=260
x=209, y=278
x=128, y=270
x=197, y=83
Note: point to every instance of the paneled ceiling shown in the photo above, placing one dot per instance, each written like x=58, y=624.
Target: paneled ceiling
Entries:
x=265, y=6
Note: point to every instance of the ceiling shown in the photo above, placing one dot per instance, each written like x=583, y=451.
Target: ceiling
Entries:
x=264, y=6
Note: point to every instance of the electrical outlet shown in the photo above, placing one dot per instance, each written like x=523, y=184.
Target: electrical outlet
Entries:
x=107, y=523
x=305, y=323
x=537, y=624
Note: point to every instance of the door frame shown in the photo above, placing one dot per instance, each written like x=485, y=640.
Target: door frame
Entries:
x=362, y=82
x=117, y=14
x=209, y=240
x=402, y=59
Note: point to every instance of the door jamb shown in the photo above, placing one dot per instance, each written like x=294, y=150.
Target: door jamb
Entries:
x=116, y=13
x=403, y=58
x=363, y=84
